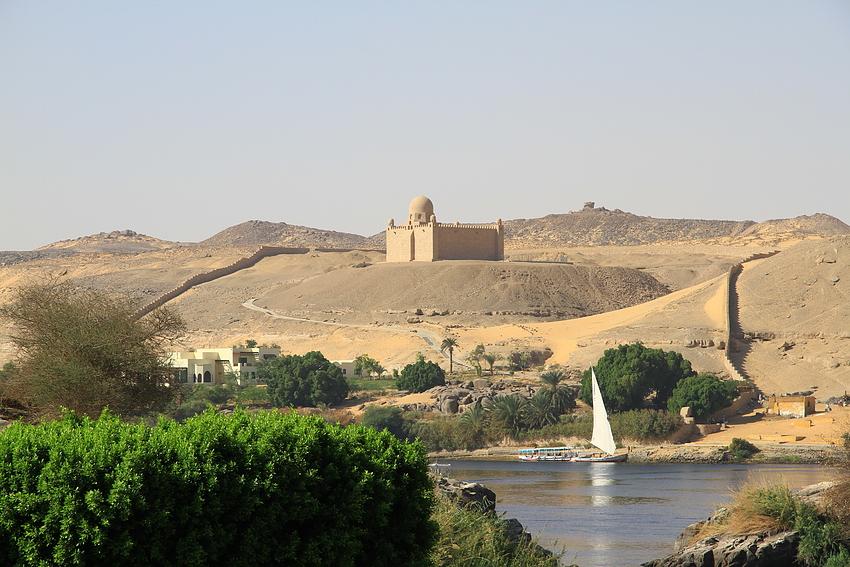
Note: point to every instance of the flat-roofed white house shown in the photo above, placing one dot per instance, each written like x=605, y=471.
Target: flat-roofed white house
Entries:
x=210, y=365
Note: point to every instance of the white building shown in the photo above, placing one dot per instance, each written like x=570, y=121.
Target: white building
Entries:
x=210, y=365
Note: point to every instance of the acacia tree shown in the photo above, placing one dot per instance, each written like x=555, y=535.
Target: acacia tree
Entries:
x=474, y=358
x=449, y=344
x=85, y=350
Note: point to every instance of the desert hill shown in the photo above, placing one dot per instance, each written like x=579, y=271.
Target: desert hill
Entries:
x=518, y=291
x=126, y=241
x=551, y=293
x=598, y=226
x=264, y=233
x=794, y=312
x=590, y=226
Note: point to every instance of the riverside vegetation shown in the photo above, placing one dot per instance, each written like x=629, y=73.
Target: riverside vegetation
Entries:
x=240, y=489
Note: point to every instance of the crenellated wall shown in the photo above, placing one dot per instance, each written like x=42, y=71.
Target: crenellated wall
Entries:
x=205, y=277
x=732, y=311
x=440, y=241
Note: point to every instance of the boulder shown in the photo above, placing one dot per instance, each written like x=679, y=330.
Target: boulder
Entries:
x=466, y=494
x=449, y=406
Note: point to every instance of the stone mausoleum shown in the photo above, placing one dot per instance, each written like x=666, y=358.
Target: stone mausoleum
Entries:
x=422, y=238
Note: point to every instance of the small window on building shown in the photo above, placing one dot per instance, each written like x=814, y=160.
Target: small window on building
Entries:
x=243, y=360
x=181, y=375
x=343, y=371
x=207, y=376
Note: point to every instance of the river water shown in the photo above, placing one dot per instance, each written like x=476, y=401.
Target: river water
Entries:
x=618, y=514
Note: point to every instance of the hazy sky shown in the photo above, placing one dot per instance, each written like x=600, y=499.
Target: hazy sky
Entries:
x=180, y=119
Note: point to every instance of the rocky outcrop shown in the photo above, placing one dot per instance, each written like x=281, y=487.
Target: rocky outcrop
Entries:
x=457, y=396
x=478, y=497
x=756, y=550
x=466, y=494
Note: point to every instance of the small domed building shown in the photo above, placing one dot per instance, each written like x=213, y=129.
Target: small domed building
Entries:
x=422, y=238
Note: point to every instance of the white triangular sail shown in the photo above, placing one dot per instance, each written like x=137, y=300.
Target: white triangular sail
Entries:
x=602, y=436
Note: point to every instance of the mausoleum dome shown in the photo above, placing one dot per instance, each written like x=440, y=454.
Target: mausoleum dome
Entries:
x=421, y=209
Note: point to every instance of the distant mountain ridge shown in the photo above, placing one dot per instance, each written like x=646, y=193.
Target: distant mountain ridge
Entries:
x=590, y=226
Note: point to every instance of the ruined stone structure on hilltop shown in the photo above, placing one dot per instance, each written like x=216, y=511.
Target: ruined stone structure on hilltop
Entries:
x=422, y=238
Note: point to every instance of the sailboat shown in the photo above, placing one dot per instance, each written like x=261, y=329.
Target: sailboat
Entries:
x=602, y=438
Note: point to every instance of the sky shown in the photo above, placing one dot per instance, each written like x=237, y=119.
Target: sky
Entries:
x=180, y=119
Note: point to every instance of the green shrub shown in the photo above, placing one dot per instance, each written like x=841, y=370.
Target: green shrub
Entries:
x=308, y=380
x=252, y=394
x=704, y=394
x=382, y=418
x=741, y=448
x=265, y=489
x=628, y=374
x=645, y=424
x=216, y=394
x=420, y=376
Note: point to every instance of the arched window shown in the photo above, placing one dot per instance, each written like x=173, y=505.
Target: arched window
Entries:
x=207, y=376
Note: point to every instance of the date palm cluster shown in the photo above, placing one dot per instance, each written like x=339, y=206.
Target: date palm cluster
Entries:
x=510, y=413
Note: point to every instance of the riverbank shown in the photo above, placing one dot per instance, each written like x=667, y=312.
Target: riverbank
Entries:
x=816, y=439
x=686, y=453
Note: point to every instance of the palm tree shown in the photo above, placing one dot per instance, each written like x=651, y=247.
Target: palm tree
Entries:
x=507, y=412
x=560, y=397
x=490, y=359
x=539, y=410
x=449, y=344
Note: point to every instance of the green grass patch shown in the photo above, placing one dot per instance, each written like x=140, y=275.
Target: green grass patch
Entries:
x=355, y=384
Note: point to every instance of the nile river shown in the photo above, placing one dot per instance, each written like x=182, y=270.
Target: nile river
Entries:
x=617, y=514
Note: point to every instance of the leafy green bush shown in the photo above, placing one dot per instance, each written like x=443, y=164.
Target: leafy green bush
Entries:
x=215, y=394
x=420, y=376
x=741, y=448
x=380, y=418
x=629, y=374
x=705, y=394
x=308, y=380
x=645, y=424
x=266, y=489
x=252, y=394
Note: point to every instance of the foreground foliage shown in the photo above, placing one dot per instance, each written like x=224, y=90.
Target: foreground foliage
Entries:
x=270, y=489
x=774, y=508
x=308, y=380
x=85, y=350
x=471, y=539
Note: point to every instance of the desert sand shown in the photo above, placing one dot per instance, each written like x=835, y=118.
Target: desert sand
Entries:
x=792, y=325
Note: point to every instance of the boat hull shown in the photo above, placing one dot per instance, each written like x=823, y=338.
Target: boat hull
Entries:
x=602, y=459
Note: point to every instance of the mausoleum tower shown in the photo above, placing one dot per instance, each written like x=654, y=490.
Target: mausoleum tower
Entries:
x=422, y=238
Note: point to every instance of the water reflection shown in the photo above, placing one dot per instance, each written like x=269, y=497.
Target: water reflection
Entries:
x=617, y=514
